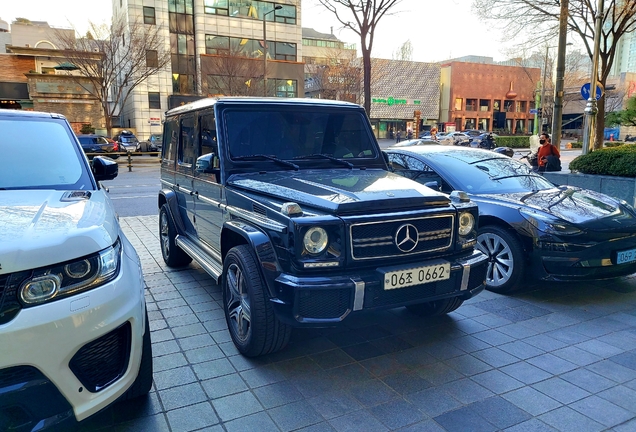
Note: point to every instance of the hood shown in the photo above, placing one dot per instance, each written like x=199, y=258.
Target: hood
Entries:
x=44, y=227
x=342, y=191
x=577, y=206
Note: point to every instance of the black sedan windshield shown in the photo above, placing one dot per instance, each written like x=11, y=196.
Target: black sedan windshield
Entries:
x=491, y=175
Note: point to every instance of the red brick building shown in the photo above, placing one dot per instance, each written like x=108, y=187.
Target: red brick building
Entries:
x=488, y=97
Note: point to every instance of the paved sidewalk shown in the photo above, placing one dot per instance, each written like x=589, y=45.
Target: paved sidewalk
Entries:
x=551, y=357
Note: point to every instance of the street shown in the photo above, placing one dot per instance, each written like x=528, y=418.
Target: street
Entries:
x=135, y=193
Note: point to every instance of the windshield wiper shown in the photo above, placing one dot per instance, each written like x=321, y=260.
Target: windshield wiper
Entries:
x=324, y=156
x=516, y=175
x=270, y=157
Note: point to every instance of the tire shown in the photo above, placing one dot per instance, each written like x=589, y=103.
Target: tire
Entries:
x=505, y=258
x=143, y=382
x=172, y=254
x=436, y=307
x=253, y=326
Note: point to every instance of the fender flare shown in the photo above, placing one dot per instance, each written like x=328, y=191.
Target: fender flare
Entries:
x=263, y=249
x=170, y=198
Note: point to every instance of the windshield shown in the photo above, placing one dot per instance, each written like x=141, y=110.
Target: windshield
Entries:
x=492, y=175
x=292, y=134
x=36, y=154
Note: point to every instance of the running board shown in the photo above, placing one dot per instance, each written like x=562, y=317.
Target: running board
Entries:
x=200, y=256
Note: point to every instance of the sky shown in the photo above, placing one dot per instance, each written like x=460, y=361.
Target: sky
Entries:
x=437, y=29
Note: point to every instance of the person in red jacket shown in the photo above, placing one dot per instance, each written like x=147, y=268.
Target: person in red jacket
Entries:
x=546, y=150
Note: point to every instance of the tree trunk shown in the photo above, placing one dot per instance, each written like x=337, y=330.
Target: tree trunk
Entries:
x=107, y=122
x=366, y=66
x=600, y=122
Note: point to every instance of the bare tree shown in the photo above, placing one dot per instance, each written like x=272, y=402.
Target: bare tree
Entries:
x=115, y=60
x=362, y=17
x=339, y=76
x=541, y=18
x=404, y=52
x=232, y=72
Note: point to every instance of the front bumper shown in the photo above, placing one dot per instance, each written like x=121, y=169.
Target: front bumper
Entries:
x=320, y=301
x=571, y=262
x=86, y=333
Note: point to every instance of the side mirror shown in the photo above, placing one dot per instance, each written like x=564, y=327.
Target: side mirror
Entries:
x=433, y=185
x=208, y=163
x=104, y=168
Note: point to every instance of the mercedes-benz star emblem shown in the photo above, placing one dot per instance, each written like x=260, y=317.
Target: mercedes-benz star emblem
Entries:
x=406, y=237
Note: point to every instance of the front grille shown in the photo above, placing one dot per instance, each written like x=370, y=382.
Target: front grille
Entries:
x=323, y=304
x=377, y=239
x=103, y=361
x=9, y=304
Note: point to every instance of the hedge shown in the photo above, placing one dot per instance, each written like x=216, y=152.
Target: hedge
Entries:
x=614, y=161
x=579, y=144
x=513, y=141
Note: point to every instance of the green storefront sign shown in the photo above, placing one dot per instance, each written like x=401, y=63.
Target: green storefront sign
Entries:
x=393, y=101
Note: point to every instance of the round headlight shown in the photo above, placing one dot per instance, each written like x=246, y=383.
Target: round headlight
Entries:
x=315, y=240
x=40, y=288
x=466, y=223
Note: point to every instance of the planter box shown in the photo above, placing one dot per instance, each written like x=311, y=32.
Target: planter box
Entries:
x=617, y=187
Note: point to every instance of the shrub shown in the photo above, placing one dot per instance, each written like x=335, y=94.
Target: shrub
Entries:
x=513, y=141
x=87, y=128
x=614, y=161
x=613, y=143
x=577, y=144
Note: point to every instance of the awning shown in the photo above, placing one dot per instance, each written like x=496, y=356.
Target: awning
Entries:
x=14, y=91
x=66, y=66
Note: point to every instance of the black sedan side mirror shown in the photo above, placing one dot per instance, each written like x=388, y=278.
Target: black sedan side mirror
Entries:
x=434, y=185
x=104, y=168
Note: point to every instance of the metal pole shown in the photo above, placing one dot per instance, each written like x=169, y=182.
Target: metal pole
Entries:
x=265, y=53
x=557, y=112
x=545, y=71
x=591, y=108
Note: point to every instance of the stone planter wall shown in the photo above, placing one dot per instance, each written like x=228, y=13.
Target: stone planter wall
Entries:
x=617, y=187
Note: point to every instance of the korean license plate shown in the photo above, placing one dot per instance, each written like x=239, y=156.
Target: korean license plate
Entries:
x=626, y=256
x=417, y=276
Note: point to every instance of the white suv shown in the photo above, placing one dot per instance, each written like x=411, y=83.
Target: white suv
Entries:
x=74, y=333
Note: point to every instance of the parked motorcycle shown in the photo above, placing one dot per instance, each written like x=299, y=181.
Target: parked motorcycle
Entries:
x=629, y=138
x=488, y=143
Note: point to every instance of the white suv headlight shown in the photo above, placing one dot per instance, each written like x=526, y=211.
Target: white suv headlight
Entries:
x=65, y=279
x=315, y=240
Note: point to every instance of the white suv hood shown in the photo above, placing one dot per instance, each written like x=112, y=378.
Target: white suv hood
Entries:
x=43, y=227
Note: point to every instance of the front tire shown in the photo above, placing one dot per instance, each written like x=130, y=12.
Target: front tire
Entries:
x=436, y=307
x=505, y=258
x=253, y=326
x=172, y=254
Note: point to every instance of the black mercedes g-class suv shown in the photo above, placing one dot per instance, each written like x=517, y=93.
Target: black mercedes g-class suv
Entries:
x=289, y=204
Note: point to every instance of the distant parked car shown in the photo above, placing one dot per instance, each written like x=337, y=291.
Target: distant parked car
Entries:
x=152, y=144
x=460, y=138
x=113, y=142
x=415, y=142
x=97, y=144
x=479, y=138
x=127, y=141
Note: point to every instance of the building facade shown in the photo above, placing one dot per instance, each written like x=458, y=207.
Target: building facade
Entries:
x=210, y=41
x=488, y=97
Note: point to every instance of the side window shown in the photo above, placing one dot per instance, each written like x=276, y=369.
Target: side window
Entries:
x=416, y=164
x=397, y=161
x=208, y=159
x=170, y=138
x=186, y=145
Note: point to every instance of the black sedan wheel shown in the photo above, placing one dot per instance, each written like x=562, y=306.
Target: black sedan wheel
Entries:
x=505, y=258
x=254, y=328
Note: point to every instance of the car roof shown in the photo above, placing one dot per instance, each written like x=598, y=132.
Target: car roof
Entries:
x=465, y=154
x=32, y=114
x=238, y=100
x=90, y=136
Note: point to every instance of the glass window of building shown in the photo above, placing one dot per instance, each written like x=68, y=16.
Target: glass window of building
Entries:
x=154, y=100
x=484, y=105
x=286, y=88
x=509, y=106
x=149, y=15
x=496, y=106
x=152, y=58
x=522, y=106
x=471, y=104
x=459, y=104
x=251, y=9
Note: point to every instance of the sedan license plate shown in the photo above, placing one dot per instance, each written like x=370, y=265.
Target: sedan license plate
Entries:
x=417, y=276
x=626, y=256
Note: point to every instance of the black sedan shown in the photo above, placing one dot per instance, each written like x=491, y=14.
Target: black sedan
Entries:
x=92, y=144
x=529, y=227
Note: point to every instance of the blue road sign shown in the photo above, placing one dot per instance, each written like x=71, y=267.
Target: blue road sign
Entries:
x=534, y=111
x=585, y=91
